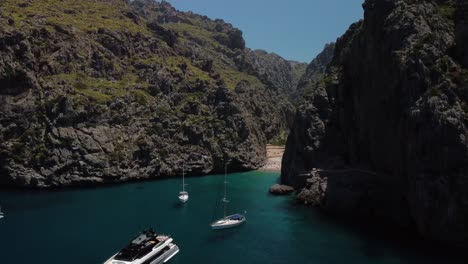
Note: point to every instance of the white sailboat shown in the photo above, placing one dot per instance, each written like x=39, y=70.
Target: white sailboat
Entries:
x=183, y=195
x=1, y=213
x=230, y=220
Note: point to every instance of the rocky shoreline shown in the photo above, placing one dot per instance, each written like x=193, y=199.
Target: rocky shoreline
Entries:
x=132, y=91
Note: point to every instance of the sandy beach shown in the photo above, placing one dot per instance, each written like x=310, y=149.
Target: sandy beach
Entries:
x=274, y=156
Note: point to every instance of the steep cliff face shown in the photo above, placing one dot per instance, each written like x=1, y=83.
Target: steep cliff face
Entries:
x=275, y=70
x=387, y=129
x=108, y=91
x=314, y=73
x=281, y=77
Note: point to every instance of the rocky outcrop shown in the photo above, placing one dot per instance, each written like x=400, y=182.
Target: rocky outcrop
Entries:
x=386, y=127
x=279, y=189
x=110, y=91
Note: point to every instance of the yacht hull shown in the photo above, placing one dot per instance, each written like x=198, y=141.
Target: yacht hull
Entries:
x=164, y=258
x=147, y=248
x=171, y=254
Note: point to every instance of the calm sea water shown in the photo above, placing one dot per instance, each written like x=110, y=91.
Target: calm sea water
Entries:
x=89, y=225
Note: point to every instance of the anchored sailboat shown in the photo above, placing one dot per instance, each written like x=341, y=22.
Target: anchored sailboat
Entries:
x=183, y=195
x=230, y=220
x=1, y=213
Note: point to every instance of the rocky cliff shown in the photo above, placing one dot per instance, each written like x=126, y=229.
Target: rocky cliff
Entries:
x=314, y=73
x=99, y=91
x=275, y=70
x=384, y=134
x=281, y=75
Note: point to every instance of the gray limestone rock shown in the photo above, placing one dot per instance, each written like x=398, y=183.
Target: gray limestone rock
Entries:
x=387, y=126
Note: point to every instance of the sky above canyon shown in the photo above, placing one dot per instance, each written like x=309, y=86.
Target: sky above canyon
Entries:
x=295, y=29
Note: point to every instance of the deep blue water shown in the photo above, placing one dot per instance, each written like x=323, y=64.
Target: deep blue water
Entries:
x=89, y=225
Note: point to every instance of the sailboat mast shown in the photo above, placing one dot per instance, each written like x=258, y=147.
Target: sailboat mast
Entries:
x=183, y=177
x=225, y=183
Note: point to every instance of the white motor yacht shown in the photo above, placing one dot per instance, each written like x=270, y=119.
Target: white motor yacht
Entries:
x=147, y=248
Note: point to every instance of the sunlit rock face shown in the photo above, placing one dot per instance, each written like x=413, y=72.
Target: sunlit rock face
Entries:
x=109, y=91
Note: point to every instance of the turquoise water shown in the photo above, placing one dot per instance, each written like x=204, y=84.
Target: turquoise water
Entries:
x=89, y=225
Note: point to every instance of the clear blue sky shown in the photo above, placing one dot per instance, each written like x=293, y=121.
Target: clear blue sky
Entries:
x=294, y=29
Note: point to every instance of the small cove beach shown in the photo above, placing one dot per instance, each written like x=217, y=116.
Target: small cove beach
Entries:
x=274, y=158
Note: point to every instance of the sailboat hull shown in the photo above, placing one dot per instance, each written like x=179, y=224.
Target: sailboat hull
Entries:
x=227, y=222
x=183, y=199
x=225, y=226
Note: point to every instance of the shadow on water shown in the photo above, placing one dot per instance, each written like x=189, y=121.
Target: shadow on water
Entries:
x=278, y=180
x=178, y=205
x=140, y=187
x=218, y=236
x=30, y=200
x=375, y=239
x=378, y=239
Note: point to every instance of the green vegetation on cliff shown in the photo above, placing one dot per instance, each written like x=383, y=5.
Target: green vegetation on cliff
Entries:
x=447, y=10
x=85, y=15
x=137, y=87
